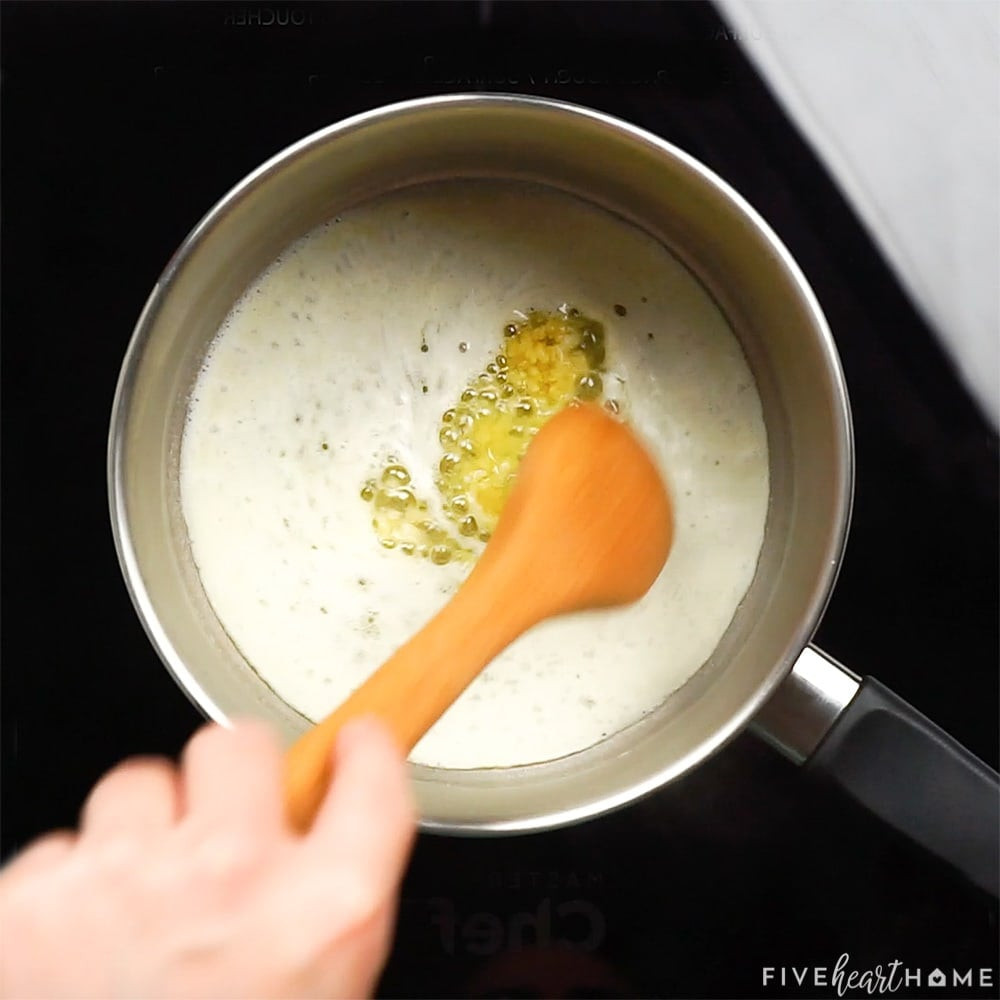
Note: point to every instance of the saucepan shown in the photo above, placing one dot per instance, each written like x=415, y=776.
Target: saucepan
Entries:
x=764, y=672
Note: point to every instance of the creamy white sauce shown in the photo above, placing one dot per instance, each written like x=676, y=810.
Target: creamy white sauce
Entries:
x=325, y=349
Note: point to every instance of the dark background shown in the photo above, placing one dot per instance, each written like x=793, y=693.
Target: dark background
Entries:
x=122, y=124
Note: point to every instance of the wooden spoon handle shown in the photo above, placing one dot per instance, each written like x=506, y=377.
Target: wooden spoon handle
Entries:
x=412, y=689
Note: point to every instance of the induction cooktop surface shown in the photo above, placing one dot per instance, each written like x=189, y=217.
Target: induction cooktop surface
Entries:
x=123, y=124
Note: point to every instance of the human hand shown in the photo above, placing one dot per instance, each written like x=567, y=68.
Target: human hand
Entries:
x=187, y=882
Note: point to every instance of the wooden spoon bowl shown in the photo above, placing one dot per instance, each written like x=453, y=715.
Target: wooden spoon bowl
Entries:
x=588, y=525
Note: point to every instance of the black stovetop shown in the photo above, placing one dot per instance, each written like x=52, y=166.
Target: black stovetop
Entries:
x=122, y=124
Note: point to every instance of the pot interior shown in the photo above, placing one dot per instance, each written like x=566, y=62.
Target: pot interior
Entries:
x=705, y=225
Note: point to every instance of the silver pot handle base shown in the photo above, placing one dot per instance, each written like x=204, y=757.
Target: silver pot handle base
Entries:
x=898, y=764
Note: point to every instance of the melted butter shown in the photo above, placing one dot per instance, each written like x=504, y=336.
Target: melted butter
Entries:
x=545, y=361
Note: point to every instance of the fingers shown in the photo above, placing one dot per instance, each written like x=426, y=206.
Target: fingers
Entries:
x=135, y=799
x=367, y=820
x=351, y=863
x=232, y=778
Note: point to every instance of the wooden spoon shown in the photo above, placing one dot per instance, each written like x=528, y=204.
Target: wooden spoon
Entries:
x=588, y=524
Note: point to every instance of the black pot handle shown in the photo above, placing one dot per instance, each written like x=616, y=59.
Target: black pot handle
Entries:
x=891, y=759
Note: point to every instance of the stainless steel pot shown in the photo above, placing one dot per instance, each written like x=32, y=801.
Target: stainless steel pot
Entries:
x=762, y=671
